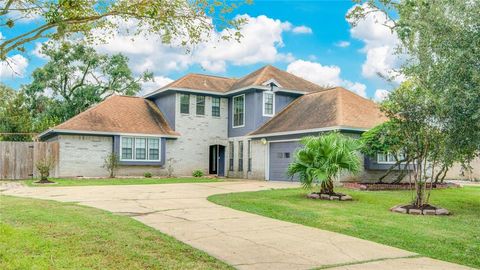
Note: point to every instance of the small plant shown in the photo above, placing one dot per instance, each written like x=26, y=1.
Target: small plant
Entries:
x=44, y=166
x=111, y=164
x=197, y=173
x=147, y=175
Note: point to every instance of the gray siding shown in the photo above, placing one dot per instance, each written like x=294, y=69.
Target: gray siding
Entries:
x=166, y=104
x=254, y=111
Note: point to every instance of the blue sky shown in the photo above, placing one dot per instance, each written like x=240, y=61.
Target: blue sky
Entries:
x=311, y=39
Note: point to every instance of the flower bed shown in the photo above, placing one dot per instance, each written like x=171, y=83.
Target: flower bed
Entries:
x=385, y=186
x=425, y=210
x=330, y=197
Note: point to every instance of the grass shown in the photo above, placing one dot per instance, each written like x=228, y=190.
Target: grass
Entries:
x=454, y=238
x=38, y=234
x=63, y=182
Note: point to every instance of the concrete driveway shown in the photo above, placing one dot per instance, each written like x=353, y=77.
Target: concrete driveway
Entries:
x=244, y=240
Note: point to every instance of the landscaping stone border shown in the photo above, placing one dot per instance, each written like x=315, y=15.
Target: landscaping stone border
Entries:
x=328, y=197
x=400, y=186
x=438, y=211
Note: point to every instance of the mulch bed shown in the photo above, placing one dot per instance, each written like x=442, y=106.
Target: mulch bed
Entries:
x=329, y=197
x=385, y=186
x=425, y=210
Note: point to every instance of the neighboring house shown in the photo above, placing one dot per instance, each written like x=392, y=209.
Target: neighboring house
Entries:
x=243, y=128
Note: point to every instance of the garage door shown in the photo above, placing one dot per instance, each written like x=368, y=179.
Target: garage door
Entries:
x=281, y=155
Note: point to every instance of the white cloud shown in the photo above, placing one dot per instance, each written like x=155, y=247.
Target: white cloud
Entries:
x=150, y=86
x=37, y=51
x=14, y=66
x=342, y=44
x=327, y=76
x=380, y=45
x=302, y=29
x=381, y=94
x=262, y=38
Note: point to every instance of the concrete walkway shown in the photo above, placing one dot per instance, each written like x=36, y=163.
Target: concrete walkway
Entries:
x=244, y=240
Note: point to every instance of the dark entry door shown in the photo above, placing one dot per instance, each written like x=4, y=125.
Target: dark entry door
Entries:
x=221, y=160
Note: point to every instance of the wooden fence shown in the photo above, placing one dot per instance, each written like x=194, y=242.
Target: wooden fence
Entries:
x=18, y=159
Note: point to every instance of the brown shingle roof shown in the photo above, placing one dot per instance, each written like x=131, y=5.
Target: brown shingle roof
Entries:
x=285, y=79
x=120, y=114
x=334, y=107
x=202, y=82
x=257, y=78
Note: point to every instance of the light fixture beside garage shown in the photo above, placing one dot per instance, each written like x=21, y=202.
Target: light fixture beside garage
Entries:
x=264, y=141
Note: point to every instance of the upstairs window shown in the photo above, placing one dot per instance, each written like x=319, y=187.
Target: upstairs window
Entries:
x=185, y=103
x=268, y=100
x=139, y=148
x=239, y=111
x=216, y=106
x=200, y=105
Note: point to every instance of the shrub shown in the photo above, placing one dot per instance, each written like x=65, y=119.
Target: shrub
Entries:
x=147, y=175
x=44, y=166
x=197, y=173
x=111, y=164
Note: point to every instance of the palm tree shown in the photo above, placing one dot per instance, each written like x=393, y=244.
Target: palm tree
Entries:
x=322, y=158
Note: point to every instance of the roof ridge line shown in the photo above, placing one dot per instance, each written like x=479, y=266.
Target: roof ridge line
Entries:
x=209, y=75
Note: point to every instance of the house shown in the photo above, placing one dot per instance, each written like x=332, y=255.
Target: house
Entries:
x=242, y=128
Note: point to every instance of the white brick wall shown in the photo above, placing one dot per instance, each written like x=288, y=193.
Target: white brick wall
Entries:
x=258, y=159
x=190, y=151
x=83, y=155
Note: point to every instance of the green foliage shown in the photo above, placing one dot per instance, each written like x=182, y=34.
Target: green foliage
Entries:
x=438, y=108
x=183, y=22
x=147, y=175
x=197, y=173
x=381, y=139
x=75, y=78
x=111, y=164
x=323, y=158
x=44, y=166
x=14, y=115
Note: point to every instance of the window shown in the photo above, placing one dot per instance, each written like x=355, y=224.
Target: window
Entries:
x=240, y=156
x=216, y=106
x=249, y=153
x=231, y=155
x=139, y=148
x=153, y=149
x=389, y=158
x=239, y=111
x=127, y=148
x=200, y=105
x=185, y=103
x=268, y=100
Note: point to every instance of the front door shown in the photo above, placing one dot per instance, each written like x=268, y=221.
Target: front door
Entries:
x=217, y=160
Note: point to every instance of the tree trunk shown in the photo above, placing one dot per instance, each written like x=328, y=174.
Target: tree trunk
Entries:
x=327, y=187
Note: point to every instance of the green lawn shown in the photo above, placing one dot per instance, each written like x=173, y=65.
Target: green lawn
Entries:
x=119, y=181
x=453, y=238
x=38, y=234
